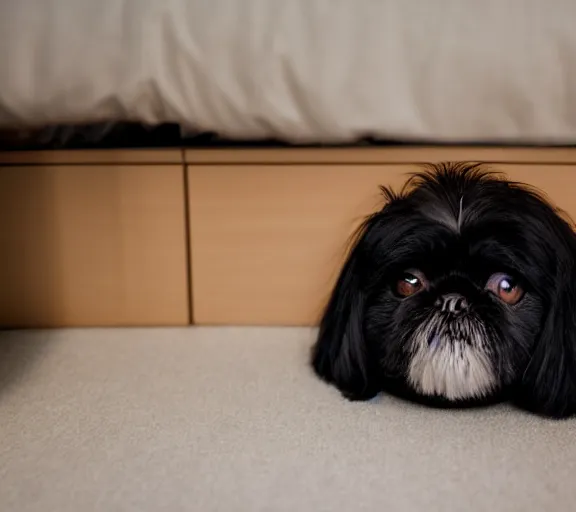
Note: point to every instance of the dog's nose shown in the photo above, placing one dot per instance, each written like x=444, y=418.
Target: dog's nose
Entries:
x=452, y=303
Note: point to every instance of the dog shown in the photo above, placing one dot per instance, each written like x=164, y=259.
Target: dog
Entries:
x=460, y=291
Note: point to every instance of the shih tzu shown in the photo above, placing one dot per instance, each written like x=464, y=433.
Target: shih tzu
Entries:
x=461, y=290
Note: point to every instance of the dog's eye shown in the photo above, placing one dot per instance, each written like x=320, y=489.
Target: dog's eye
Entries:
x=505, y=288
x=410, y=283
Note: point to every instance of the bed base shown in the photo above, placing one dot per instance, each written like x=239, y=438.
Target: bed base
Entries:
x=175, y=237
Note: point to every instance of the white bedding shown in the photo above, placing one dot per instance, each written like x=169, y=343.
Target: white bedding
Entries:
x=302, y=70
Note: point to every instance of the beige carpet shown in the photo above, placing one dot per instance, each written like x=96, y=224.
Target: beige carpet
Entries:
x=232, y=420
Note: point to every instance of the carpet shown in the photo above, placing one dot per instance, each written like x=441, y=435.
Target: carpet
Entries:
x=231, y=419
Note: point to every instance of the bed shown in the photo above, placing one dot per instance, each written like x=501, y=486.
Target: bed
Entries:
x=314, y=71
x=264, y=128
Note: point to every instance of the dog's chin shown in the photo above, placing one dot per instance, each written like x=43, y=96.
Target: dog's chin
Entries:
x=453, y=369
x=402, y=389
x=449, y=358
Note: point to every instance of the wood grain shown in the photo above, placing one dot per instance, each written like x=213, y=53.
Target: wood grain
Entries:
x=380, y=155
x=97, y=156
x=267, y=241
x=92, y=246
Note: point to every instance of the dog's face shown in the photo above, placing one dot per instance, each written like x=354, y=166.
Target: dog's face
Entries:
x=460, y=290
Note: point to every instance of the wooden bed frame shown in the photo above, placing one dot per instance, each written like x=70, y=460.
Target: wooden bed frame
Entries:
x=214, y=236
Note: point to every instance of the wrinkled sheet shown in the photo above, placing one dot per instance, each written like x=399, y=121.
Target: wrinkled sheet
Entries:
x=299, y=70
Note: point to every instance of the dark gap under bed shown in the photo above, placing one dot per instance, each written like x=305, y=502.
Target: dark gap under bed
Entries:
x=124, y=135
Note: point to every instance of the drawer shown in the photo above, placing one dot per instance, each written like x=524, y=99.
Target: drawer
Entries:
x=92, y=245
x=267, y=241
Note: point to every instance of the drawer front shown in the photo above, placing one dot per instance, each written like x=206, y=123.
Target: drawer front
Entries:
x=267, y=241
x=91, y=245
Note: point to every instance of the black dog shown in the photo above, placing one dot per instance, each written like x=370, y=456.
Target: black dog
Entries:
x=461, y=290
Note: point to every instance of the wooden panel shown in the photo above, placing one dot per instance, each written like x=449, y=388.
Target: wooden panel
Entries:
x=100, y=156
x=267, y=241
x=382, y=155
x=92, y=245
x=338, y=156
x=558, y=182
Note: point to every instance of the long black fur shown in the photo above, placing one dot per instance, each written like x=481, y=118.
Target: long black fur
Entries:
x=361, y=344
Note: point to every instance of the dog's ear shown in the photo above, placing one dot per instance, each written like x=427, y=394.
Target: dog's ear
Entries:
x=548, y=386
x=340, y=355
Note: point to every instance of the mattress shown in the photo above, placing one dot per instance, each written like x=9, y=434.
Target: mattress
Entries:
x=301, y=70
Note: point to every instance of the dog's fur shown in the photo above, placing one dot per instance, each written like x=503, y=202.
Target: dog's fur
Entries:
x=458, y=225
